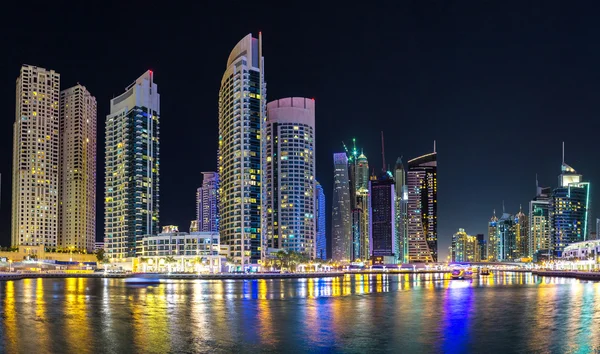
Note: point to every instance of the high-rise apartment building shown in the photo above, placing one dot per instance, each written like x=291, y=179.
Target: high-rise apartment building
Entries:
x=401, y=211
x=341, y=223
x=522, y=234
x=242, y=120
x=207, y=212
x=382, y=227
x=569, y=208
x=36, y=176
x=465, y=248
x=77, y=208
x=422, y=209
x=360, y=211
x=482, y=246
x=194, y=226
x=506, y=239
x=290, y=176
x=132, y=167
x=321, y=223
x=492, y=251
x=539, y=222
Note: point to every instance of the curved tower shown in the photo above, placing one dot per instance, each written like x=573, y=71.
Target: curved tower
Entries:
x=422, y=208
x=290, y=175
x=241, y=126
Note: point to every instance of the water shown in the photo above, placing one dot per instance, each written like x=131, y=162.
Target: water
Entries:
x=503, y=313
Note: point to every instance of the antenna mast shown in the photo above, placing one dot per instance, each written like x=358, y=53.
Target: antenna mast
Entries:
x=382, y=153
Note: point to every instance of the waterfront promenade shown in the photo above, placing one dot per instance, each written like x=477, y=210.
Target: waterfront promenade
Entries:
x=568, y=274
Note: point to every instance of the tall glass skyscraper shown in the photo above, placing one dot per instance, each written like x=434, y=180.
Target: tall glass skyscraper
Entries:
x=422, y=209
x=290, y=176
x=382, y=215
x=35, y=182
x=569, y=208
x=360, y=211
x=132, y=167
x=321, y=223
x=207, y=211
x=77, y=215
x=341, y=223
x=492, y=251
x=539, y=222
x=401, y=211
x=242, y=120
x=507, y=239
x=522, y=234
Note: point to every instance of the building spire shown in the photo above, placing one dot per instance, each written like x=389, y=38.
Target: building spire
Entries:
x=382, y=152
x=434, y=146
x=563, y=152
x=503, y=210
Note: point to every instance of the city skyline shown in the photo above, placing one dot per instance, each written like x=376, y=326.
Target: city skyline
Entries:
x=447, y=89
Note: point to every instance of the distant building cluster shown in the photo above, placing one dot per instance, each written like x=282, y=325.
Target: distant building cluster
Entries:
x=387, y=217
x=556, y=226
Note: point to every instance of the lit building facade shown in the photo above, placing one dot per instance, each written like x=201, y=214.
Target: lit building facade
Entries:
x=522, y=234
x=341, y=223
x=35, y=180
x=492, y=251
x=539, y=222
x=569, y=210
x=321, y=222
x=242, y=119
x=194, y=226
x=207, y=203
x=465, y=248
x=290, y=176
x=506, y=239
x=132, y=167
x=421, y=180
x=482, y=244
x=361, y=208
x=78, y=130
x=382, y=216
x=401, y=211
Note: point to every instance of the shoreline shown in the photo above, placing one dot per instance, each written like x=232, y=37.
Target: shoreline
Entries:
x=568, y=274
x=229, y=276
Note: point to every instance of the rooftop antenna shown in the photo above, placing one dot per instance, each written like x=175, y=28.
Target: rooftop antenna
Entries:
x=382, y=152
x=434, y=146
x=503, y=211
x=563, y=154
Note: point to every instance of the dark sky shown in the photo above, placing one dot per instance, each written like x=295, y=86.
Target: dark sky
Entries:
x=498, y=84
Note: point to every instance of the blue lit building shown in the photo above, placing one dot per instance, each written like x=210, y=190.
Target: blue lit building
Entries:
x=506, y=239
x=382, y=218
x=569, y=207
x=321, y=222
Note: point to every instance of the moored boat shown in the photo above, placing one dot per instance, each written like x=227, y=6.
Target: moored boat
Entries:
x=485, y=271
x=144, y=279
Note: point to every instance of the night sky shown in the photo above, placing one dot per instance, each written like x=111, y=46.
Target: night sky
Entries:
x=499, y=85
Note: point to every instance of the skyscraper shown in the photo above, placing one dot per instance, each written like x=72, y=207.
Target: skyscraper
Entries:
x=401, y=211
x=383, y=222
x=539, y=220
x=77, y=208
x=207, y=212
x=35, y=182
x=242, y=118
x=465, y=248
x=482, y=246
x=341, y=232
x=321, y=224
x=290, y=176
x=507, y=239
x=422, y=209
x=360, y=212
x=522, y=234
x=492, y=251
x=569, y=207
x=132, y=167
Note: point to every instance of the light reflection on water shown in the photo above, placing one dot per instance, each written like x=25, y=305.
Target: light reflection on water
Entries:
x=505, y=312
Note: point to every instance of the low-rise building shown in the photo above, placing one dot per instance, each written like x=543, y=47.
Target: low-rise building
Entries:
x=180, y=252
x=585, y=250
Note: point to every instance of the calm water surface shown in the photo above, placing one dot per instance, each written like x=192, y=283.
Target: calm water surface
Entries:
x=504, y=313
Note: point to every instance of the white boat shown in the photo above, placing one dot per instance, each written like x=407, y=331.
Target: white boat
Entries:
x=144, y=279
